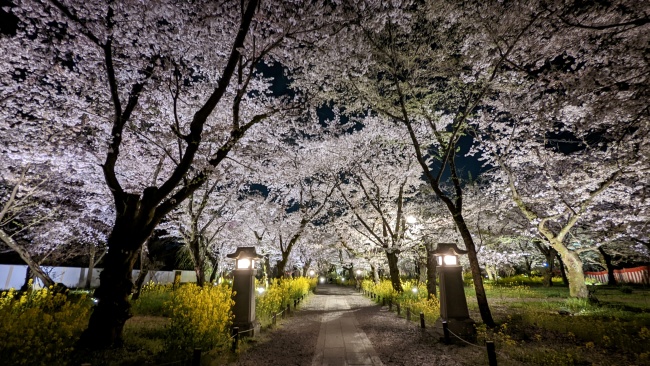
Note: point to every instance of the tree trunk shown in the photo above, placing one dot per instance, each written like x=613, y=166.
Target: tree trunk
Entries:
x=375, y=274
x=549, y=255
x=113, y=308
x=394, y=271
x=198, y=259
x=491, y=272
x=282, y=264
x=24, y=255
x=305, y=268
x=145, y=267
x=214, y=262
x=565, y=280
x=573, y=265
x=92, y=262
x=26, y=285
x=422, y=266
x=528, y=265
x=611, y=279
x=431, y=271
x=481, y=298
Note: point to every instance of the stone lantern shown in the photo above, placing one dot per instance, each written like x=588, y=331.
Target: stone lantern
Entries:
x=453, y=305
x=243, y=285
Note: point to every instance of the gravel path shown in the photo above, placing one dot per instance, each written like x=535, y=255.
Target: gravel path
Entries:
x=395, y=341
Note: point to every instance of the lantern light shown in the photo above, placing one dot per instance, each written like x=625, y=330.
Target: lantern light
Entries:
x=312, y=273
x=447, y=254
x=245, y=263
x=243, y=287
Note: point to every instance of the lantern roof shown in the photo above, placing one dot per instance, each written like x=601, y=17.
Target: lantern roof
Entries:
x=448, y=249
x=244, y=252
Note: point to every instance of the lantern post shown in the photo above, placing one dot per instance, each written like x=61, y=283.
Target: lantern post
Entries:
x=243, y=285
x=453, y=304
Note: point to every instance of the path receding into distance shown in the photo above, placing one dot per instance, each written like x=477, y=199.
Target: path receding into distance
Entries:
x=337, y=326
x=340, y=341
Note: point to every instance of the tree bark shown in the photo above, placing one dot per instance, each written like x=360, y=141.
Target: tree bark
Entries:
x=198, y=259
x=394, y=271
x=375, y=274
x=575, y=274
x=481, y=297
x=431, y=271
x=565, y=280
x=422, y=266
x=549, y=255
x=113, y=308
x=305, y=268
x=611, y=279
x=145, y=266
x=24, y=255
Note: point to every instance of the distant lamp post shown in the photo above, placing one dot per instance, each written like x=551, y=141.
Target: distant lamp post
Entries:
x=311, y=273
x=453, y=305
x=244, y=286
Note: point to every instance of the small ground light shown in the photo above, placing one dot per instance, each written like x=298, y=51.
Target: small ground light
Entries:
x=260, y=290
x=358, y=272
x=343, y=279
x=322, y=280
x=311, y=273
x=415, y=290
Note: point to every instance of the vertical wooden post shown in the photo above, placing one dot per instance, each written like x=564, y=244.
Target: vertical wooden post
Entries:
x=422, y=320
x=288, y=309
x=235, y=339
x=445, y=331
x=398, y=309
x=408, y=313
x=196, y=357
x=492, y=355
x=274, y=319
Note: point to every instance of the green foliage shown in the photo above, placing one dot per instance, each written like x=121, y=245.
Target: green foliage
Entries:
x=201, y=317
x=414, y=298
x=280, y=294
x=152, y=299
x=545, y=326
x=41, y=327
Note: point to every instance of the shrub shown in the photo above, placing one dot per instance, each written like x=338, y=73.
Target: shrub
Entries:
x=201, y=317
x=152, y=299
x=280, y=294
x=40, y=327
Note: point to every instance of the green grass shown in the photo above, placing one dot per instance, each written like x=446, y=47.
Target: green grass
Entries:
x=541, y=325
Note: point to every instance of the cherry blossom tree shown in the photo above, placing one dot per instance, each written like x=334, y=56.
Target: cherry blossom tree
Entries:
x=563, y=146
x=410, y=62
x=16, y=201
x=378, y=185
x=147, y=80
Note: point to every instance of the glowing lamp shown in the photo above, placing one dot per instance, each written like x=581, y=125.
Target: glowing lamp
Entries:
x=312, y=273
x=244, y=287
x=447, y=254
x=245, y=263
x=453, y=305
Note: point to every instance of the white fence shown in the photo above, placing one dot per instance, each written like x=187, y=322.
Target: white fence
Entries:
x=13, y=276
